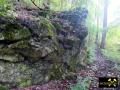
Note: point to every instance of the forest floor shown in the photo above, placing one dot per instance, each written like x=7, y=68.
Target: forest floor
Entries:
x=101, y=67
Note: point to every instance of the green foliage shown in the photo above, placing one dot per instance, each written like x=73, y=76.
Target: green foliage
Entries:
x=3, y=87
x=91, y=53
x=21, y=44
x=24, y=82
x=94, y=24
x=38, y=2
x=46, y=24
x=56, y=72
x=57, y=26
x=6, y=51
x=4, y=7
x=23, y=68
x=73, y=63
x=57, y=5
x=15, y=32
x=112, y=55
x=91, y=38
x=113, y=44
x=82, y=84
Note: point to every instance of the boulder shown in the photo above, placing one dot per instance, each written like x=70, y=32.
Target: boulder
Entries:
x=36, y=50
x=12, y=74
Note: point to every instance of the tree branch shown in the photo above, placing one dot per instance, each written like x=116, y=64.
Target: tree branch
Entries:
x=33, y=1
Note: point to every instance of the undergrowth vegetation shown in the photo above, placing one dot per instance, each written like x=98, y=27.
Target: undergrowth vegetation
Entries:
x=91, y=53
x=82, y=84
x=113, y=44
x=4, y=7
x=56, y=5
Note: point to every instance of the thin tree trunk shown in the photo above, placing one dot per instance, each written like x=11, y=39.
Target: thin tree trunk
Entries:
x=97, y=21
x=97, y=34
x=104, y=32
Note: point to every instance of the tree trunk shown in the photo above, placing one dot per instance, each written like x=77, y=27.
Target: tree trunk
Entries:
x=96, y=41
x=97, y=22
x=104, y=32
x=97, y=33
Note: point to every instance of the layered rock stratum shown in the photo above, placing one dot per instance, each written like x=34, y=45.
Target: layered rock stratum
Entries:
x=35, y=50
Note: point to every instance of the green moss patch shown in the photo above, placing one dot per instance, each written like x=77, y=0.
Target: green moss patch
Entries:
x=15, y=32
x=20, y=44
x=2, y=87
x=24, y=82
x=56, y=72
x=47, y=25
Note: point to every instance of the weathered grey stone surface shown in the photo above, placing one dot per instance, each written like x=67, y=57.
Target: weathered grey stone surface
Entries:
x=35, y=50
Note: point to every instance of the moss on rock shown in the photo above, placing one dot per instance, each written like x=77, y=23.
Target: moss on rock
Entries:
x=2, y=87
x=57, y=26
x=15, y=32
x=10, y=55
x=24, y=82
x=15, y=74
x=6, y=51
x=31, y=53
x=21, y=44
x=23, y=67
x=46, y=24
x=73, y=62
x=56, y=72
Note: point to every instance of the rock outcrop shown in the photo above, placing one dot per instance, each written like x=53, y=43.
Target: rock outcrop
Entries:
x=36, y=50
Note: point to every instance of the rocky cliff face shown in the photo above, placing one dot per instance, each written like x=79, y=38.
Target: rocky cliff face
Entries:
x=36, y=50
